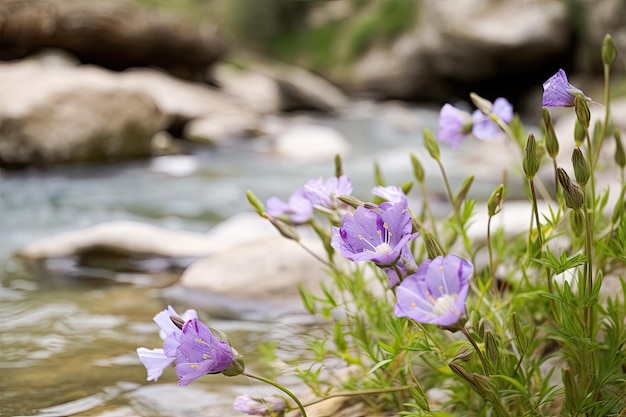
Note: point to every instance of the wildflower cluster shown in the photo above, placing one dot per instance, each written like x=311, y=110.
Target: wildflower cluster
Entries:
x=504, y=325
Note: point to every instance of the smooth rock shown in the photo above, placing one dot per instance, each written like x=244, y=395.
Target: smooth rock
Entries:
x=310, y=143
x=132, y=239
x=56, y=113
x=263, y=268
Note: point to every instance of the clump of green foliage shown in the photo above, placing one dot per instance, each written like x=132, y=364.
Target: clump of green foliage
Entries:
x=538, y=338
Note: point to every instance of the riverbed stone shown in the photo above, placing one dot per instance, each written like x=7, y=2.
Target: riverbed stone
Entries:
x=310, y=142
x=59, y=113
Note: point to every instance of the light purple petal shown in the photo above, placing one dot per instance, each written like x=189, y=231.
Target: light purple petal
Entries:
x=484, y=128
x=391, y=193
x=367, y=235
x=556, y=91
x=503, y=109
x=155, y=361
x=323, y=193
x=436, y=293
x=246, y=404
x=200, y=353
x=454, y=125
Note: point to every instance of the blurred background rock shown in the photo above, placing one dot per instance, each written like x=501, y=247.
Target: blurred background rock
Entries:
x=250, y=58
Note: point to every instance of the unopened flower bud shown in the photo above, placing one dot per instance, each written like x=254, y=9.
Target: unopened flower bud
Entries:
x=552, y=143
x=255, y=203
x=433, y=247
x=338, y=166
x=418, y=169
x=573, y=194
x=581, y=167
x=481, y=104
x=284, y=229
x=579, y=133
x=531, y=160
x=577, y=222
x=620, y=156
x=431, y=145
x=608, y=50
x=350, y=200
x=495, y=200
x=582, y=110
x=406, y=187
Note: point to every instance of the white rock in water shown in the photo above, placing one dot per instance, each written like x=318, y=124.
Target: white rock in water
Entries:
x=123, y=237
x=311, y=143
x=265, y=268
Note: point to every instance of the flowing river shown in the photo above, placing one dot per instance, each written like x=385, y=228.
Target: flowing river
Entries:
x=69, y=335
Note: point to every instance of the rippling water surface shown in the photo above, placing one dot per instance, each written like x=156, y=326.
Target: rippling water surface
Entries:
x=68, y=337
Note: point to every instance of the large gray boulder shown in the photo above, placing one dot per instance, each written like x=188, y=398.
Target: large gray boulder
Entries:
x=464, y=42
x=57, y=113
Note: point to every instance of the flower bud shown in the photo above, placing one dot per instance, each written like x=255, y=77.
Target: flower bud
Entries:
x=284, y=229
x=581, y=167
x=577, y=222
x=255, y=203
x=431, y=145
x=579, y=134
x=582, y=110
x=338, y=166
x=608, y=50
x=481, y=104
x=531, y=161
x=406, y=187
x=418, y=169
x=350, y=200
x=573, y=194
x=552, y=143
x=433, y=247
x=495, y=200
x=620, y=156
x=491, y=349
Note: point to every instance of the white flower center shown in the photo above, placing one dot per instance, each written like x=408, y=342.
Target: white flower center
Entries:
x=383, y=249
x=443, y=305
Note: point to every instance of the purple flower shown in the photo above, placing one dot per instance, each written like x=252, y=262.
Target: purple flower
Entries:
x=324, y=193
x=454, y=125
x=376, y=235
x=156, y=360
x=487, y=129
x=200, y=353
x=196, y=350
x=260, y=406
x=436, y=293
x=558, y=92
x=298, y=209
x=391, y=193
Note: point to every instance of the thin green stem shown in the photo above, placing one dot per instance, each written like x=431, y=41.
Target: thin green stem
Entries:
x=280, y=387
x=359, y=393
x=446, y=182
x=607, y=113
x=492, y=270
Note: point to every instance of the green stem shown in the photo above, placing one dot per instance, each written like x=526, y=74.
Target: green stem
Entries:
x=448, y=189
x=359, y=393
x=492, y=271
x=607, y=111
x=280, y=387
x=428, y=211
